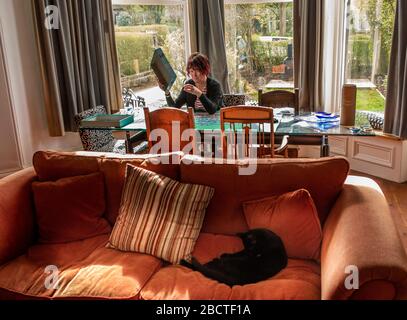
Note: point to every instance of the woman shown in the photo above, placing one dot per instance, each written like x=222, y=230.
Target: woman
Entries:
x=200, y=92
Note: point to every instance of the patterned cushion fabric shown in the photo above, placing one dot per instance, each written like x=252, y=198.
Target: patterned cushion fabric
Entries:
x=234, y=100
x=293, y=217
x=101, y=141
x=159, y=216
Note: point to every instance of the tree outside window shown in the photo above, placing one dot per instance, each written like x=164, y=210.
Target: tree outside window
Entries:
x=370, y=26
x=259, y=44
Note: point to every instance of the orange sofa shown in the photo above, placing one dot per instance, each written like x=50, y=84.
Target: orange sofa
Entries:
x=358, y=230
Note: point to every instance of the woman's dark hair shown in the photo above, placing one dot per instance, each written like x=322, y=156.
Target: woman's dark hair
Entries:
x=200, y=62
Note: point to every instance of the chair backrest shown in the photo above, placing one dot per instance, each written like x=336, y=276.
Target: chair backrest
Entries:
x=174, y=122
x=236, y=124
x=130, y=99
x=279, y=99
x=234, y=100
x=93, y=139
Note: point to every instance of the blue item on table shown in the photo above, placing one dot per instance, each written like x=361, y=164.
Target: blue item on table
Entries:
x=326, y=115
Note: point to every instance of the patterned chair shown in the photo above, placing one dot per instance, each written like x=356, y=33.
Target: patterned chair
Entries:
x=102, y=140
x=234, y=100
x=131, y=100
x=375, y=119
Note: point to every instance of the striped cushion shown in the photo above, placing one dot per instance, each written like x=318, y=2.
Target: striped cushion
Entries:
x=159, y=216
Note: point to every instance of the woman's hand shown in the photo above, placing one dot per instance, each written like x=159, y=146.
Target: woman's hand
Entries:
x=192, y=90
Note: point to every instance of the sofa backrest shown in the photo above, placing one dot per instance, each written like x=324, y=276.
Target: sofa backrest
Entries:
x=51, y=166
x=323, y=178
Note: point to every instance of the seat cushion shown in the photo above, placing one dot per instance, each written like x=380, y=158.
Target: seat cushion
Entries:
x=299, y=280
x=86, y=270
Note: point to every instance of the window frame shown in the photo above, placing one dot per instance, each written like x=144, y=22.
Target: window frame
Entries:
x=375, y=56
x=185, y=3
x=338, y=22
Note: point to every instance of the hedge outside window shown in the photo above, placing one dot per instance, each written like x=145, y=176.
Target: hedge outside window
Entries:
x=140, y=27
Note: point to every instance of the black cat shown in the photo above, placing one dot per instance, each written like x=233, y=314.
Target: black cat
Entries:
x=263, y=256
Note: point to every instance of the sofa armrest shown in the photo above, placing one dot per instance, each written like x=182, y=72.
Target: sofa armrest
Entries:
x=360, y=232
x=16, y=214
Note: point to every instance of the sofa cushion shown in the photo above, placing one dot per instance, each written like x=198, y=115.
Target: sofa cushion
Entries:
x=293, y=217
x=17, y=221
x=70, y=209
x=159, y=216
x=300, y=280
x=52, y=165
x=111, y=274
x=86, y=270
x=114, y=170
x=323, y=178
x=26, y=274
x=210, y=246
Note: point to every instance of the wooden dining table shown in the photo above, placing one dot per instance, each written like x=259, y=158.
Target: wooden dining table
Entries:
x=302, y=129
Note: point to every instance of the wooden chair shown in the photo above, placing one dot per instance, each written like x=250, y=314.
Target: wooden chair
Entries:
x=279, y=99
x=165, y=119
x=239, y=120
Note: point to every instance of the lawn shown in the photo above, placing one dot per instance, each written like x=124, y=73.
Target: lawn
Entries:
x=366, y=100
x=369, y=100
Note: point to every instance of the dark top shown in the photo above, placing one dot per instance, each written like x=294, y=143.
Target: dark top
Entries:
x=212, y=100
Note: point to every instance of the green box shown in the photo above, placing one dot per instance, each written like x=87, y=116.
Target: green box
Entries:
x=107, y=121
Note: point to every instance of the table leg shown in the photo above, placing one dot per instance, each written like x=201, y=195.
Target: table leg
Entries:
x=324, y=146
x=128, y=142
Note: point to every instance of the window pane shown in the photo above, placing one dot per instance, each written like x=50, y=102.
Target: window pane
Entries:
x=141, y=28
x=259, y=43
x=369, y=38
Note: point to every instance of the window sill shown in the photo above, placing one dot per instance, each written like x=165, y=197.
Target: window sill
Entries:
x=380, y=133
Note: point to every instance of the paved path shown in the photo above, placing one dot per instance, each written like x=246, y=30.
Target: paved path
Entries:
x=154, y=96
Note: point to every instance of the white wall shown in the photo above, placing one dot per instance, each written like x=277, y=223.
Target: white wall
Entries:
x=9, y=151
x=22, y=62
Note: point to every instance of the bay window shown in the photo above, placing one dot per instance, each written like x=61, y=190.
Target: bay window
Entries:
x=259, y=46
x=369, y=37
x=259, y=43
x=140, y=27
